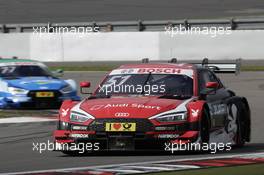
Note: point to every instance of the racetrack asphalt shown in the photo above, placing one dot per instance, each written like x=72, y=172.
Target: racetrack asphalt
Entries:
x=16, y=141
x=44, y=11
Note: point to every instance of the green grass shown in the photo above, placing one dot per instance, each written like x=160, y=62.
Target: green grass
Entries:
x=111, y=67
x=10, y=60
x=252, y=68
x=84, y=68
x=257, y=169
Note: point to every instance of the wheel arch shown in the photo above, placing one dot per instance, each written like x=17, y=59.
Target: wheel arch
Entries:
x=197, y=109
x=244, y=105
x=200, y=105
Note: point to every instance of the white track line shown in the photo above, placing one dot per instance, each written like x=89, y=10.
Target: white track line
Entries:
x=261, y=154
x=148, y=167
x=25, y=120
x=177, y=166
x=118, y=170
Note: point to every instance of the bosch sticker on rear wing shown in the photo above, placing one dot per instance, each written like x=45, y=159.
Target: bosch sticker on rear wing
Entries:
x=187, y=72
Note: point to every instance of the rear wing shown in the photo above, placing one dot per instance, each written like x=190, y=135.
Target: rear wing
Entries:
x=223, y=67
x=217, y=67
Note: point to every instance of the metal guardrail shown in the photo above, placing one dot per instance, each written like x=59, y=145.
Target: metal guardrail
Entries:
x=234, y=24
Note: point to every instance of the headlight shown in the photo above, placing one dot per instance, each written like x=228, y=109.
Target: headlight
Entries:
x=172, y=117
x=67, y=89
x=79, y=117
x=17, y=91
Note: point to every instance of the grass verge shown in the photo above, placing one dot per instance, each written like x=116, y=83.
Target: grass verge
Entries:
x=84, y=68
x=256, y=169
x=252, y=68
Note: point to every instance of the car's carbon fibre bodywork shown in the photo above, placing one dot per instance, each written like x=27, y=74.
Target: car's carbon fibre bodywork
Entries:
x=225, y=115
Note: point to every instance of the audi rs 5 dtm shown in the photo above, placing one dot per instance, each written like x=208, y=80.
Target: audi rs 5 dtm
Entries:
x=145, y=106
x=28, y=83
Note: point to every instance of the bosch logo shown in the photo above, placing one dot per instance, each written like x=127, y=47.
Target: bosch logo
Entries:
x=121, y=114
x=127, y=71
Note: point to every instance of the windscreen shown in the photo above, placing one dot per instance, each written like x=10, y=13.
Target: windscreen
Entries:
x=23, y=71
x=147, y=84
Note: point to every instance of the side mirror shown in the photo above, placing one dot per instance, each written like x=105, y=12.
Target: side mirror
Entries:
x=212, y=85
x=83, y=85
x=58, y=73
x=210, y=89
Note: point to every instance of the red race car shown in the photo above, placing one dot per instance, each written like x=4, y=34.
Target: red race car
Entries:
x=155, y=106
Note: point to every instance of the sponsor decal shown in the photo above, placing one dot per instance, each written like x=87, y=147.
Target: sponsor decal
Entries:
x=40, y=82
x=124, y=105
x=79, y=135
x=122, y=127
x=64, y=112
x=218, y=109
x=188, y=72
x=79, y=128
x=96, y=107
x=160, y=70
x=165, y=128
x=195, y=112
x=45, y=94
x=168, y=136
x=127, y=71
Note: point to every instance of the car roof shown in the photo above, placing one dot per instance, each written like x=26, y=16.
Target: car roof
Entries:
x=159, y=65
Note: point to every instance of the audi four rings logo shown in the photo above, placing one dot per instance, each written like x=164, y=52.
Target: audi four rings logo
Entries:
x=121, y=114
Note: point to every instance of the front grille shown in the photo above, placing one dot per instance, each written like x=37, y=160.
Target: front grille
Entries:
x=43, y=102
x=142, y=125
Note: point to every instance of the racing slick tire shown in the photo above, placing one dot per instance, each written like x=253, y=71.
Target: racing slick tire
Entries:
x=205, y=127
x=236, y=121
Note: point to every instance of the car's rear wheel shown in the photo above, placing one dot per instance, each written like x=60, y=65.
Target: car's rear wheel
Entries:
x=235, y=122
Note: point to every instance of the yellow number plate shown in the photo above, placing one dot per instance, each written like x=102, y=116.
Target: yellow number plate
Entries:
x=45, y=94
x=120, y=127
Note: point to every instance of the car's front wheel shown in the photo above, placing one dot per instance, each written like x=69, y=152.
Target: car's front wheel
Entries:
x=204, y=127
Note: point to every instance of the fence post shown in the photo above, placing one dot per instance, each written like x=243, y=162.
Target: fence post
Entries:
x=4, y=29
x=140, y=26
x=233, y=25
